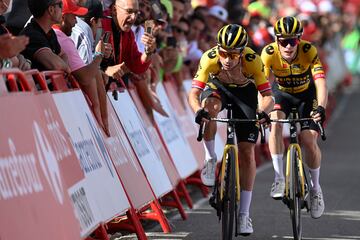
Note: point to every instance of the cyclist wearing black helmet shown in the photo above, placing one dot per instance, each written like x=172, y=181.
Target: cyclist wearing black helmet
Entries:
x=241, y=71
x=299, y=80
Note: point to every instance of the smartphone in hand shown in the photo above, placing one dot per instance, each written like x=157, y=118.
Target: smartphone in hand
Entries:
x=149, y=25
x=106, y=37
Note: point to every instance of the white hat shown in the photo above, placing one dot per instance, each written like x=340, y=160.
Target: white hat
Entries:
x=219, y=12
x=325, y=6
x=308, y=7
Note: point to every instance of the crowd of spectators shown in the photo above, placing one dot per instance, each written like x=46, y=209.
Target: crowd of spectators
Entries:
x=107, y=44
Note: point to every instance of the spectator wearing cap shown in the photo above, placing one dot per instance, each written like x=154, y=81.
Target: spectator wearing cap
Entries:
x=43, y=49
x=88, y=75
x=217, y=18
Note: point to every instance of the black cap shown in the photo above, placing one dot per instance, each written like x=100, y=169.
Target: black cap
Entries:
x=95, y=9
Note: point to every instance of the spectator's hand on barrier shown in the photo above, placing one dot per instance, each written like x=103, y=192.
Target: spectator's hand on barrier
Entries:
x=117, y=71
x=319, y=115
x=263, y=118
x=202, y=115
x=149, y=41
x=24, y=64
x=11, y=45
x=157, y=106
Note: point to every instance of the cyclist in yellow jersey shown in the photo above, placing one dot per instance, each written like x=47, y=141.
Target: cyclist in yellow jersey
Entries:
x=299, y=81
x=241, y=71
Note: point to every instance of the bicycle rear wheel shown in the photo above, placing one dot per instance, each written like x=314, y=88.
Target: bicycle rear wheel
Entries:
x=229, y=201
x=295, y=194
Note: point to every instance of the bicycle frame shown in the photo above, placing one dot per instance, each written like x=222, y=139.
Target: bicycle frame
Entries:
x=294, y=144
x=230, y=144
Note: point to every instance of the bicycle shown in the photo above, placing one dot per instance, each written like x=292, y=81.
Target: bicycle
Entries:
x=226, y=192
x=297, y=179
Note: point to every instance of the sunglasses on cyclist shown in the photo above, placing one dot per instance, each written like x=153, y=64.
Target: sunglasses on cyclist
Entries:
x=286, y=41
x=231, y=55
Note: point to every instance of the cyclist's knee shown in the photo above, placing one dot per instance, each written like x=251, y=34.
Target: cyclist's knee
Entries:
x=213, y=105
x=309, y=140
x=246, y=150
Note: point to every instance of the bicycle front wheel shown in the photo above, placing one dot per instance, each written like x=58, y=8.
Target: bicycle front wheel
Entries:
x=229, y=200
x=295, y=194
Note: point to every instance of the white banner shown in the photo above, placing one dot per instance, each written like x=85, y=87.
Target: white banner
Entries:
x=135, y=130
x=174, y=138
x=102, y=183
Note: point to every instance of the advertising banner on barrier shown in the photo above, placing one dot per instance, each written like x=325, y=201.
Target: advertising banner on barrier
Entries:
x=134, y=128
x=126, y=163
x=155, y=140
x=174, y=138
x=36, y=168
x=185, y=117
x=101, y=180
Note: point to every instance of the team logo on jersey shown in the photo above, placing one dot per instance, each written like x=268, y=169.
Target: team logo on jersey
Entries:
x=306, y=47
x=285, y=65
x=296, y=66
x=250, y=57
x=269, y=50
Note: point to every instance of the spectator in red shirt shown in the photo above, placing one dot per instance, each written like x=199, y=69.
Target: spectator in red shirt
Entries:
x=127, y=55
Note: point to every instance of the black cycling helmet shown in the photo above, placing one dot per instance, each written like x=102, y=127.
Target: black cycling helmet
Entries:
x=232, y=36
x=288, y=27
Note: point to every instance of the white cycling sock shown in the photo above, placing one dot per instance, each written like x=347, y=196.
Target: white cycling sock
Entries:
x=245, y=201
x=278, y=164
x=315, y=176
x=209, y=147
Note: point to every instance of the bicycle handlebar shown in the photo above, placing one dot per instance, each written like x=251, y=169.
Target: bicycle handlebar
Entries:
x=262, y=130
x=319, y=124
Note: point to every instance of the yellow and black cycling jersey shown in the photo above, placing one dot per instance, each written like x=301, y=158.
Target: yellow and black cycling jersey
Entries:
x=250, y=70
x=296, y=76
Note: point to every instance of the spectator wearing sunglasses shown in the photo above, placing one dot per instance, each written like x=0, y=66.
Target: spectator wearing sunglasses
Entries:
x=43, y=49
x=299, y=80
x=240, y=71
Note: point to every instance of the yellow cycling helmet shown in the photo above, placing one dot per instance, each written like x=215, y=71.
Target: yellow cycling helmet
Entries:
x=232, y=36
x=288, y=27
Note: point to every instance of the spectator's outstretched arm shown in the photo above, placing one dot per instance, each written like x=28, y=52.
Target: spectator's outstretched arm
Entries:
x=50, y=60
x=12, y=46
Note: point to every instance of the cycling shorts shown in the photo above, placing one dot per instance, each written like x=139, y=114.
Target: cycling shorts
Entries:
x=304, y=101
x=245, y=132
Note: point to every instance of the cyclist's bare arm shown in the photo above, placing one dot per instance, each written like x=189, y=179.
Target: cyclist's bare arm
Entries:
x=266, y=103
x=321, y=91
x=194, y=99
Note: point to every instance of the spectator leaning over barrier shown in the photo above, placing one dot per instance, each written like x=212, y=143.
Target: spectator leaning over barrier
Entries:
x=240, y=71
x=299, y=82
x=11, y=46
x=44, y=50
x=149, y=78
x=88, y=75
x=127, y=56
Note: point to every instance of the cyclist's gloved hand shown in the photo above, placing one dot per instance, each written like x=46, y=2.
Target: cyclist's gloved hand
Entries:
x=263, y=117
x=322, y=114
x=200, y=114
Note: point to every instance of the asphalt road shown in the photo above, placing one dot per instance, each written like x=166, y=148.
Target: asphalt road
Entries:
x=340, y=181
